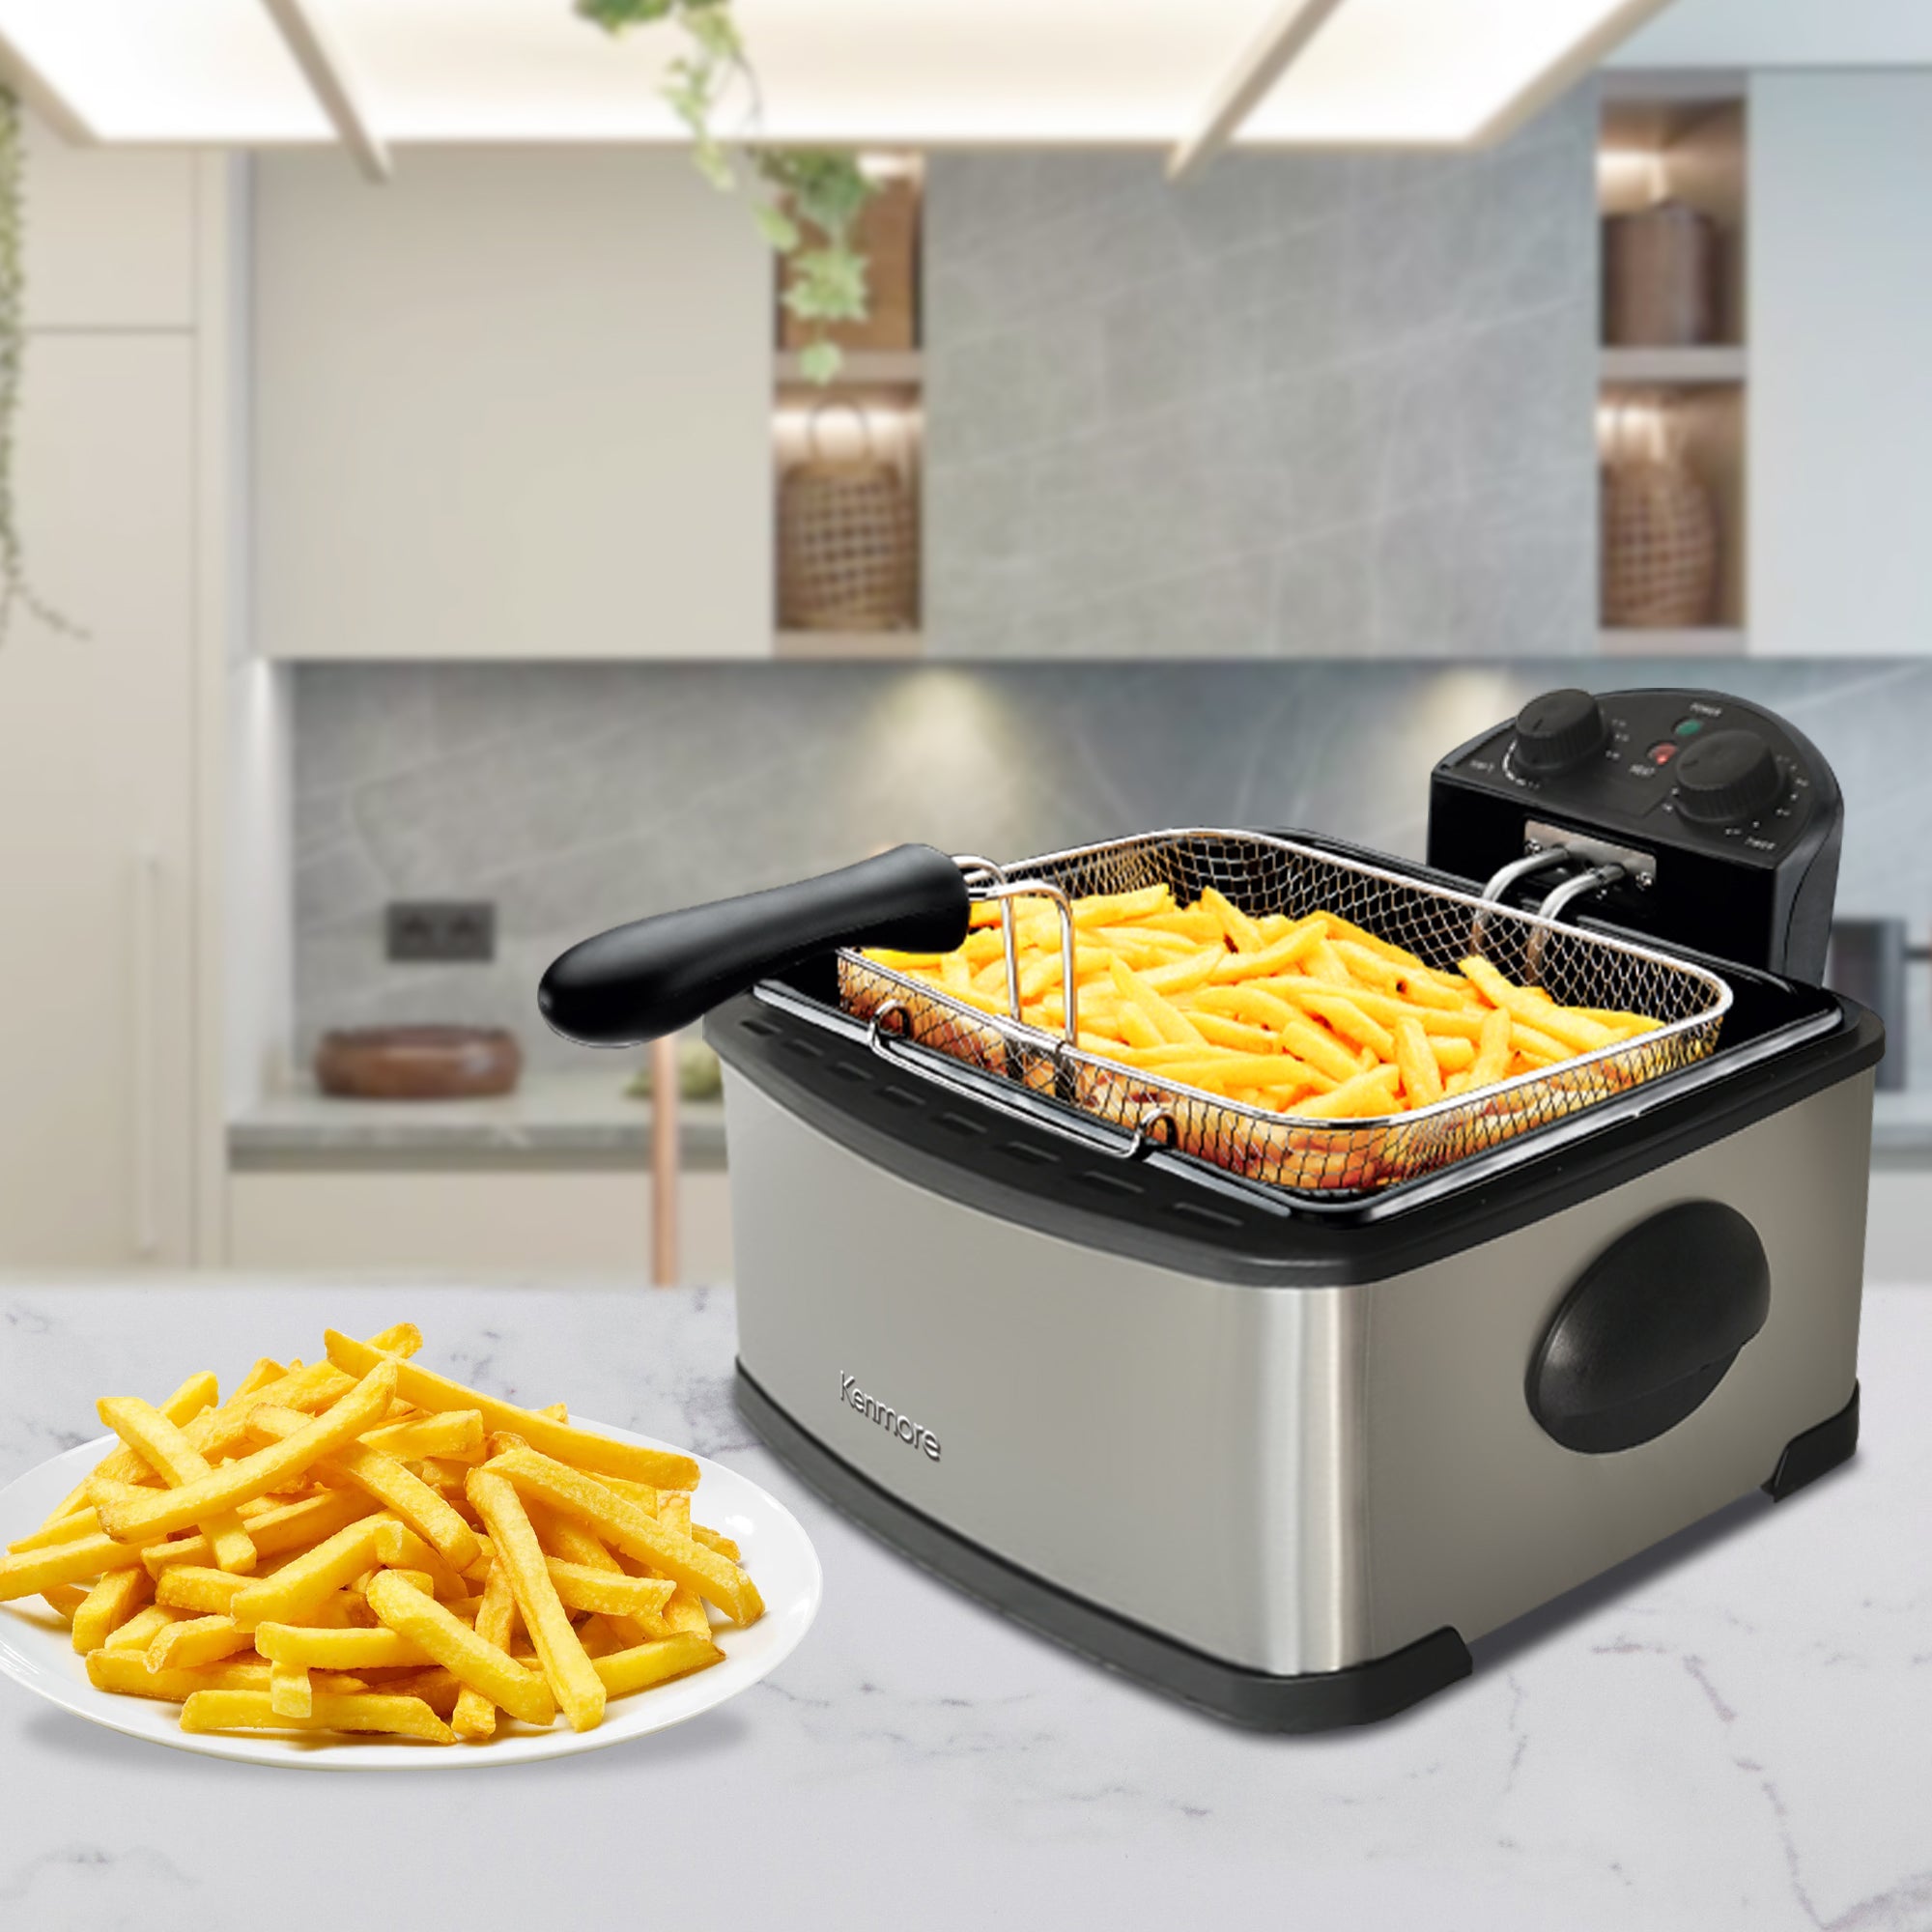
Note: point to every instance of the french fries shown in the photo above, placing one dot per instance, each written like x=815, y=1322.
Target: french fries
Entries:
x=361, y=1546
x=1310, y=1019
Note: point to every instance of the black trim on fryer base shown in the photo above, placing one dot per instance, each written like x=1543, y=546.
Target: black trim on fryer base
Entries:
x=1177, y=1213
x=1364, y=1693
x=1817, y=1452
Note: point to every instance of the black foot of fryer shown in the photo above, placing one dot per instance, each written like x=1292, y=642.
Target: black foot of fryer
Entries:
x=1809, y=1455
x=1322, y=1701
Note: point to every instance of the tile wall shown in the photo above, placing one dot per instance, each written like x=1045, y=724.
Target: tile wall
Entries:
x=1305, y=405
x=577, y=795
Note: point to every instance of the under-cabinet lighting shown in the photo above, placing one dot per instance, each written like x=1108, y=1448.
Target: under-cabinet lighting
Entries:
x=1632, y=176
x=1642, y=428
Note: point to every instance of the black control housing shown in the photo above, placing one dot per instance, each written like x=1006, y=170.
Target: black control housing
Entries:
x=1739, y=812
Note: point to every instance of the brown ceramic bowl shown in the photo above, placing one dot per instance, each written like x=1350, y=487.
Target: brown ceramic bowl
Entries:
x=417, y=1063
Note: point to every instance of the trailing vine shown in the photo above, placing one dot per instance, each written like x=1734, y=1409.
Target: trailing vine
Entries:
x=804, y=200
x=14, y=588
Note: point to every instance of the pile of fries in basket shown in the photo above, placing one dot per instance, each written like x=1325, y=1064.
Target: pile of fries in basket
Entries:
x=359, y=1545
x=1314, y=1018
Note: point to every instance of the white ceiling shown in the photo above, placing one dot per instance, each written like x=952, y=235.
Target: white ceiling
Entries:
x=927, y=72
x=1395, y=70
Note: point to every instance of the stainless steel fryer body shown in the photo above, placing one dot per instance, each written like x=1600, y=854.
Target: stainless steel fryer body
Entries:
x=1293, y=1480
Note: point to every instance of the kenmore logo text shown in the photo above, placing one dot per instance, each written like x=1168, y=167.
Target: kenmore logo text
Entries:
x=915, y=1434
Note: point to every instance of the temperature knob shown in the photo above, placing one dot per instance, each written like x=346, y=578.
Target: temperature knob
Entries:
x=1727, y=778
x=1556, y=732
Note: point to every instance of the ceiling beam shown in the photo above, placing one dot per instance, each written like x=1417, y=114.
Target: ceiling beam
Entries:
x=37, y=92
x=320, y=61
x=1268, y=58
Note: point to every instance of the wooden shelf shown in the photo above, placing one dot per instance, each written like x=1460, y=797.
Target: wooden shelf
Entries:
x=861, y=369
x=1688, y=142
x=1713, y=641
x=818, y=645
x=1704, y=367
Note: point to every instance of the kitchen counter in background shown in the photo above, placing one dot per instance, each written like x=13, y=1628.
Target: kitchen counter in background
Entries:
x=1902, y=1128
x=573, y=1120
x=577, y=1117
x=1737, y=1733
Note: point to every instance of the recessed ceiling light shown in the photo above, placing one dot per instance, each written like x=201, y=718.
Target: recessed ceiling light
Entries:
x=869, y=73
x=212, y=70
x=1437, y=72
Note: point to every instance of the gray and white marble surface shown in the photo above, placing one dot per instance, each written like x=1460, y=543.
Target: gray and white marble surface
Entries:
x=1311, y=405
x=577, y=796
x=1735, y=1732
x=568, y=1120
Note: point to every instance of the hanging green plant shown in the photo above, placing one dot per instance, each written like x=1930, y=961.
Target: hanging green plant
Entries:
x=14, y=588
x=804, y=200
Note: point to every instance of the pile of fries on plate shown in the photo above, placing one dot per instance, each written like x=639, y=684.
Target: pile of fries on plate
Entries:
x=1313, y=1017
x=358, y=1544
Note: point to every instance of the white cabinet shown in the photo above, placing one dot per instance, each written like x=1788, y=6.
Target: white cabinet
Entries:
x=110, y=236
x=541, y=1222
x=1841, y=377
x=514, y=404
x=97, y=809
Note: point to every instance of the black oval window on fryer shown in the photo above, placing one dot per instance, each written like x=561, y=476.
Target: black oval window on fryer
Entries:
x=1650, y=1328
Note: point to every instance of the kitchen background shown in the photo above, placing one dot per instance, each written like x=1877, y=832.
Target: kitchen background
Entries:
x=452, y=540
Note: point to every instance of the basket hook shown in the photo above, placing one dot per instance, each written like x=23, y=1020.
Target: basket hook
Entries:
x=1539, y=860
x=1558, y=902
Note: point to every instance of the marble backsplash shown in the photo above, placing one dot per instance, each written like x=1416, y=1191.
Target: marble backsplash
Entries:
x=1306, y=405
x=575, y=796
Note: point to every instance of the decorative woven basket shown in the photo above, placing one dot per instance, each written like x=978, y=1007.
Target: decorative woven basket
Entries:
x=847, y=557
x=1660, y=540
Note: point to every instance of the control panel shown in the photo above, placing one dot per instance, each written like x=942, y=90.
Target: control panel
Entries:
x=1728, y=820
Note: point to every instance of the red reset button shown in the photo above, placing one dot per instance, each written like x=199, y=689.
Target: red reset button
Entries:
x=1662, y=754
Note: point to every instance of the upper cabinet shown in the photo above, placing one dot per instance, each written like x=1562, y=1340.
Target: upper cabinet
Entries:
x=1672, y=402
x=109, y=240
x=514, y=404
x=1841, y=381
x=99, y=860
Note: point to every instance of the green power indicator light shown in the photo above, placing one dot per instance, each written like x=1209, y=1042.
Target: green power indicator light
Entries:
x=1688, y=727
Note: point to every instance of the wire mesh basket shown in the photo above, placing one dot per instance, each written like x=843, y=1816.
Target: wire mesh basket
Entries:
x=1264, y=875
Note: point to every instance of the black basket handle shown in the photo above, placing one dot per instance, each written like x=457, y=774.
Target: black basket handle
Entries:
x=643, y=981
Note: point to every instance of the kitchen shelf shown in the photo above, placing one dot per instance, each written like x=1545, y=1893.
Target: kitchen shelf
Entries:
x=1662, y=139
x=1709, y=640
x=872, y=411
x=1673, y=368
x=860, y=369
x=812, y=645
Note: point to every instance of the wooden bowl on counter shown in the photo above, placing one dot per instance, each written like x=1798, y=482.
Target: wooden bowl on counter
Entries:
x=417, y=1063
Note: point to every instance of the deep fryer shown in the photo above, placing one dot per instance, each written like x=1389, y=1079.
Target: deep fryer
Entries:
x=1280, y=1419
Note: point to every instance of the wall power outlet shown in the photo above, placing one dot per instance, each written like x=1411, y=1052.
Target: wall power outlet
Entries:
x=440, y=929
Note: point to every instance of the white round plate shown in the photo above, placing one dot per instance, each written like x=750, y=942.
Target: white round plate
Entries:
x=36, y=1649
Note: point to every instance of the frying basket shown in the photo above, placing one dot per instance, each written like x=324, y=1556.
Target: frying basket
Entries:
x=1262, y=875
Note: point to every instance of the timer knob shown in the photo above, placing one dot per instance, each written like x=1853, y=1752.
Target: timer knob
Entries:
x=1727, y=778
x=1558, y=731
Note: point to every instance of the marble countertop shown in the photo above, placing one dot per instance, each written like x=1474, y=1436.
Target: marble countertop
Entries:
x=1902, y=1127
x=561, y=1118
x=1734, y=1732
x=569, y=1119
